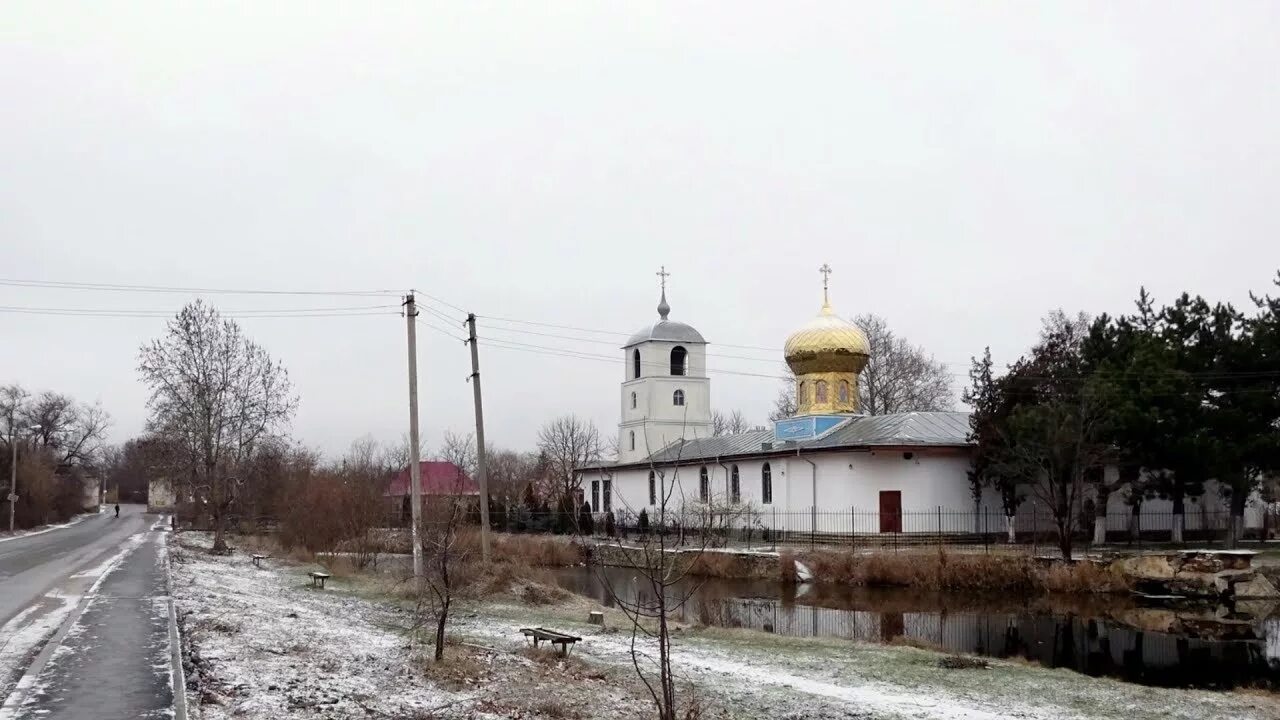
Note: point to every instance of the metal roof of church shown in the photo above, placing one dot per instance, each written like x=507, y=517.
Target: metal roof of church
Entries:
x=668, y=331
x=910, y=429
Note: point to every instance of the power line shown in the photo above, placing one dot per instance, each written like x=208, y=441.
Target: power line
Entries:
x=162, y=315
x=165, y=313
x=118, y=287
x=564, y=352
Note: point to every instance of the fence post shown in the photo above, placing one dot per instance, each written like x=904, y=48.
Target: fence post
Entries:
x=813, y=520
x=940, y=525
x=986, y=547
x=773, y=528
x=853, y=529
x=1035, y=528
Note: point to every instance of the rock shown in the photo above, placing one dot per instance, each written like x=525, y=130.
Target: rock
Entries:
x=1195, y=584
x=1198, y=561
x=1256, y=587
x=1148, y=567
x=803, y=573
x=1226, y=579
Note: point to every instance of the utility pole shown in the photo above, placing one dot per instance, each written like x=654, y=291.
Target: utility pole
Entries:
x=415, y=468
x=481, y=468
x=13, y=469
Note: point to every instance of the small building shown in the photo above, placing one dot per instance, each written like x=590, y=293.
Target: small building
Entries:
x=160, y=495
x=440, y=479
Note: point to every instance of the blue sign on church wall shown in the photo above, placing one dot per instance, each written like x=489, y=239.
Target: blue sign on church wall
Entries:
x=800, y=428
x=805, y=428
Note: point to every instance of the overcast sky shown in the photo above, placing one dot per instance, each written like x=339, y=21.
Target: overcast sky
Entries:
x=964, y=167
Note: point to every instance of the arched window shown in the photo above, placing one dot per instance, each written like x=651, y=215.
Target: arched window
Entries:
x=633, y=439
x=677, y=398
x=679, y=358
x=766, y=485
x=800, y=394
x=653, y=490
x=633, y=401
x=820, y=390
x=735, y=488
x=635, y=363
x=843, y=392
x=704, y=484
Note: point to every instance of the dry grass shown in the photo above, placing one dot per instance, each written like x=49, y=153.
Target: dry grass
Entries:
x=715, y=565
x=940, y=570
x=787, y=567
x=1084, y=577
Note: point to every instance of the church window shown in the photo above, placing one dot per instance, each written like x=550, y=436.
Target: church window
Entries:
x=843, y=392
x=704, y=484
x=635, y=363
x=595, y=494
x=766, y=485
x=633, y=401
x=679, y=360
x=800, y=400
x=735, y=489
x=608, y=495
x=653, y=489
x=633, y=439
x=677, y=398
x=820, y=390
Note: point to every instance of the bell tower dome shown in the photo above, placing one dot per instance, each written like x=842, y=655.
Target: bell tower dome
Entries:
x=666, y=394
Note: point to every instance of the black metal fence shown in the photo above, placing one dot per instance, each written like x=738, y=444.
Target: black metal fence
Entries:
x=1033, y=530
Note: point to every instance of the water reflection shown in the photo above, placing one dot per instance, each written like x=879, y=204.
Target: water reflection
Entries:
x=1196, y=645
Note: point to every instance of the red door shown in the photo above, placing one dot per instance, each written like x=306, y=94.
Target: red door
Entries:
x=890, y=511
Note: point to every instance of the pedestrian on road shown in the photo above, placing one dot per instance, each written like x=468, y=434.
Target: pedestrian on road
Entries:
x=117, y=509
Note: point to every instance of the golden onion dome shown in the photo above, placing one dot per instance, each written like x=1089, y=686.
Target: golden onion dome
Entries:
x=827, y=343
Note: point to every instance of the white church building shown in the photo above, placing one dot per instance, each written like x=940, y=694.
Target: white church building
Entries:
x=829, y=469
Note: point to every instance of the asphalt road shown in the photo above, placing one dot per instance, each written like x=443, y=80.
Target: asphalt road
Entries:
x=109, y=658
x=31, y=565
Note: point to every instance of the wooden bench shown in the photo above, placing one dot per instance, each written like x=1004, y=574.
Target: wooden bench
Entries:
x=318, y=578
x=257, y=560
x=538, y=635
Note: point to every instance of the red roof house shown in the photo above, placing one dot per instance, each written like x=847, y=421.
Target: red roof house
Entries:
x=439, y=477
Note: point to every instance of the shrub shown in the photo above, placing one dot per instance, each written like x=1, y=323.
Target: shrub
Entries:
x=609, y=528
x=643, y=522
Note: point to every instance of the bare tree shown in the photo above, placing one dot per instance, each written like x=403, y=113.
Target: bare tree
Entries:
x=461, y=451
x=660, y=588
x=567, y=443
x=73, y=431
x=443, y=556
x=731, y=423
x=217, y=396
x=784, y=405
x=899, y=377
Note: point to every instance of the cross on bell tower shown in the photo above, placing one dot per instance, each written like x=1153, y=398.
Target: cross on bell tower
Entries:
x=663, y=308
x=826, y=275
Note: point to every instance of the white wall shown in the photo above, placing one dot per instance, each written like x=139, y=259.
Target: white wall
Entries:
x=656, y=420
x=848, y=489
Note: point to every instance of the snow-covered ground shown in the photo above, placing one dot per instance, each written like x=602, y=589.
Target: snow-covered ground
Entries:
x=264, y=645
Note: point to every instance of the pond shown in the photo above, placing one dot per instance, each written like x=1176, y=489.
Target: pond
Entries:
x=1186, y=645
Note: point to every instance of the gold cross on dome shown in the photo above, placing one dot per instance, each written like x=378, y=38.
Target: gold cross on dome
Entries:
x=826, y=274
x=662, y=275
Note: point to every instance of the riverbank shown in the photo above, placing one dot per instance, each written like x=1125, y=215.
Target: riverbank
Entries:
x=260, y=644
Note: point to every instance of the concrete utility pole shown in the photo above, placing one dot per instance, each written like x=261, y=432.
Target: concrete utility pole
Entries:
x=481, y=471
x=13, y=470
x=415, y=467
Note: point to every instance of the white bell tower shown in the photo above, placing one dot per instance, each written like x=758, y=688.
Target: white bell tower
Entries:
x=666, y=394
